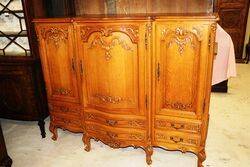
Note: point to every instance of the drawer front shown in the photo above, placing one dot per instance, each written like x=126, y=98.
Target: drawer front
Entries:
x=115, y=121
x=72, y=110
x=183, y=125
x=67, y=122
x=115, y=133
x=186, y=139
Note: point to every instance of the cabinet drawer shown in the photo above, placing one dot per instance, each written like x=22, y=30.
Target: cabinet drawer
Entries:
x=67, y=122
x=115, y=121
x=184, y=125
x=186, y=139
x=72, y=110
x=115, y=133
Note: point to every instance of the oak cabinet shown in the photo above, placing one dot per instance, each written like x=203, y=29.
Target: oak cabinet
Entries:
x=59, y=62
x=141, y=82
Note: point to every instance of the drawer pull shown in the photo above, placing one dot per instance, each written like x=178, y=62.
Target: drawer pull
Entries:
x=177, y=126
x=176, y=139
x=111, y=122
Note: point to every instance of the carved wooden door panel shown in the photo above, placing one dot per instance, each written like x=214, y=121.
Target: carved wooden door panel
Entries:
x=181, y=51
x=59, y=61
x=112, y=66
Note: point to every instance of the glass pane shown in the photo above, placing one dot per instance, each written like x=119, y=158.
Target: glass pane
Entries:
x=23, y=41
x=14, y=50
x=23, y=24
x=20, y=14
x=15, y=5
x=9, y=23
x=13, y=27
x=4, y=2
x=3, y=42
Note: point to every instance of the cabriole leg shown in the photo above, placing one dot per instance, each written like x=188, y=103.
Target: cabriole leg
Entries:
x=53, y=130
x=201, y=157
x=86, y=141
x=149, y=152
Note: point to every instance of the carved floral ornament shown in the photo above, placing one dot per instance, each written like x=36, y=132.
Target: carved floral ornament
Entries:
x=182, y=37
x=131, y=30
x=55, y=34
x=107, y=46
x=111, y=99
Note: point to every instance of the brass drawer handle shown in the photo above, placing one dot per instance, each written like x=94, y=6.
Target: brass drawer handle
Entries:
x=177, y=126
x=176, y=139
x=111, y=122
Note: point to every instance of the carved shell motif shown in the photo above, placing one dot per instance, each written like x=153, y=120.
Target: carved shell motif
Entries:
x=182, y=37
x=55, y=35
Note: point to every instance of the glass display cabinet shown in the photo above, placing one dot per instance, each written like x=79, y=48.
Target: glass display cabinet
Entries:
x=22, y=94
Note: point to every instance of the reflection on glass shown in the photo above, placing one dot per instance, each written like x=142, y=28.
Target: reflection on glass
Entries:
x=13, y=34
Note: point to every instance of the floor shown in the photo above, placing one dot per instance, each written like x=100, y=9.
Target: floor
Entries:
x=227, y=143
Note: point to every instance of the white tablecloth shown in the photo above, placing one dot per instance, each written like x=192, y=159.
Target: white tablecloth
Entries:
x=224, y=61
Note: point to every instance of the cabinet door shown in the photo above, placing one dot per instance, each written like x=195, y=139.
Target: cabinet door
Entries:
x=59, y=61
x=181, y=67
x=113, y=66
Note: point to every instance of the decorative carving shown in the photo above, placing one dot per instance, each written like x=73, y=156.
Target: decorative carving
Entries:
x=182, y=37
x=62, y=91
x=111, y=99
x=98, y=40
x=89, y=116
x=136, y=136
x=179, y=105
x=111, y=122
x=55, y=34
x=136, y=123
x=213, y=27
x=112, y=135
x=113, y=144
x=131, y=30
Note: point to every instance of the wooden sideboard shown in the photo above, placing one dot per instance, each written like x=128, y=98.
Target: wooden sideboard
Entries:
x=141, y=81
